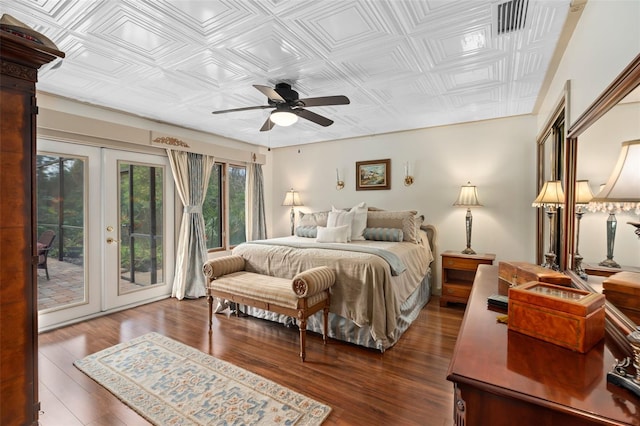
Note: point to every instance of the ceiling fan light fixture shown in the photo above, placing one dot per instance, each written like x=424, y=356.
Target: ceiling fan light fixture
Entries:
x=283, y=118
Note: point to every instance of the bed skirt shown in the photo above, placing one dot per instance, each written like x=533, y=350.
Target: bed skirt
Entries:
x=341, y=328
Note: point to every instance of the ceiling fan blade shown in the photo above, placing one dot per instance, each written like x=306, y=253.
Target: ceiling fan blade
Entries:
x=325, y=100
x=241, y=109
x=268, y=125
x=312, y=116
x=269, y=93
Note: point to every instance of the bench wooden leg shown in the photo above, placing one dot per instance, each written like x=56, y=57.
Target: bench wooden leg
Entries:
x=210, y=303
x=303, y=335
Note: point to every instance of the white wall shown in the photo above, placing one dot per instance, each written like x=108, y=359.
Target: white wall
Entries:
x=605, y=40
x=498, y=156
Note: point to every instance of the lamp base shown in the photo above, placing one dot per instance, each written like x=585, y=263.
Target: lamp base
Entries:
x=609, y=263
x=578, y=268
x=468, y=250
x=550, y=262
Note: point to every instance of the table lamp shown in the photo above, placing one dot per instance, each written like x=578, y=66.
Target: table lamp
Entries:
x=292, y=199
x=551, y=197
x=468, y=198
x=583, y=196
x=620, y=193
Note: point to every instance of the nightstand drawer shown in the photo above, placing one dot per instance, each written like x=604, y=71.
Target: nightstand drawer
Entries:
x=462, y=263
x=457, y=290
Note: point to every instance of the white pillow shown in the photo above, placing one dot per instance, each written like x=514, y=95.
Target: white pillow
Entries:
x=359, y=222
x=339, y=218
x=338, y=234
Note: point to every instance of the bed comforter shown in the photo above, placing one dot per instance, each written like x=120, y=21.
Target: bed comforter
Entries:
x=366, y=291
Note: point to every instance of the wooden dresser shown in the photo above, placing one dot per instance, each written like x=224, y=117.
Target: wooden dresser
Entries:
x=20, y=60
x=502, y=377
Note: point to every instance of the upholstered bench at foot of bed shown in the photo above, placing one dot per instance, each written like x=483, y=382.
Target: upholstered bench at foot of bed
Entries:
x=300, y=297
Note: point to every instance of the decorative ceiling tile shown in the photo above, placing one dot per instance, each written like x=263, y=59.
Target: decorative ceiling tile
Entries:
x=404, y=64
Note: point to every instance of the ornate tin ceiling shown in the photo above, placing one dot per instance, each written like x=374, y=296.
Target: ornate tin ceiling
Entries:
x=404, y=64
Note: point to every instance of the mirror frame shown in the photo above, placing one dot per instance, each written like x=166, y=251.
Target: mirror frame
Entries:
x=618, y=325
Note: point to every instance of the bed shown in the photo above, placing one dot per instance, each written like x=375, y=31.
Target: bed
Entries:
x=384, y=275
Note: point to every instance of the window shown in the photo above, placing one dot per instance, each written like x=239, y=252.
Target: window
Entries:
x=223, y=209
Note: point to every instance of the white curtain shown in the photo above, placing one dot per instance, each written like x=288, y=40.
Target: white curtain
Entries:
x=191, y=173
x=256, y=224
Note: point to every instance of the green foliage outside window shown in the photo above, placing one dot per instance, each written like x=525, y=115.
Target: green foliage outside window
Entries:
x=237, y=184
x=60, y=203
x=212, y=209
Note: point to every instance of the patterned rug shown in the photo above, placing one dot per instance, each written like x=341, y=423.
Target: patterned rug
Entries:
x=169, y=383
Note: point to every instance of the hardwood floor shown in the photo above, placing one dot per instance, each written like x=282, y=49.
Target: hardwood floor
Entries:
x=406, y=385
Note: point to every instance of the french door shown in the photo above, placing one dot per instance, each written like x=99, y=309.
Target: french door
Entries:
x=112, y=215
x=137, y=240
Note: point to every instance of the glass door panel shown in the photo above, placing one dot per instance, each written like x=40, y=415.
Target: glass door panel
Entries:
x=139, y=196
x=68, y=267
x=141, y=219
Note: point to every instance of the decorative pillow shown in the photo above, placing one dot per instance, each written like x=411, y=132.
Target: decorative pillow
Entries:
x=383, y=234
x=405, y=220
x=339, y=218
x=359, y=220
x=337, y=234
x=313, y=219
x=307, y=231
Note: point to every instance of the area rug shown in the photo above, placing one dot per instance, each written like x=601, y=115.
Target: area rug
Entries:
x=170, y=383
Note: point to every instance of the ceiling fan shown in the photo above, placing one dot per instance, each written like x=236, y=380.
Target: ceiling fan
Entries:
x=288, y=107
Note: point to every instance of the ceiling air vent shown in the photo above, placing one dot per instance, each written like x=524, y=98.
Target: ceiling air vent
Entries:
x=510, y=16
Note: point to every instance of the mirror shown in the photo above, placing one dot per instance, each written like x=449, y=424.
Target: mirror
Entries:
x=551, y=164
x=598, y=150
x=592, y=148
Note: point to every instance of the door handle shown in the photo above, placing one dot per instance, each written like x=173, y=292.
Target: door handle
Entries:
x=112, y=241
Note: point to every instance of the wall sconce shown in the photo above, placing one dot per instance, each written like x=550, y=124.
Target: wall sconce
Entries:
x=339, y=183
x=408, y=180
x=583, y=196
x=468, y=198
x=620, y=193
x=551, y=197
x=292, y=199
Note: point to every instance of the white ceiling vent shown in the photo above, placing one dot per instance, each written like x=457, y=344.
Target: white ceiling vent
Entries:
x=510, y=16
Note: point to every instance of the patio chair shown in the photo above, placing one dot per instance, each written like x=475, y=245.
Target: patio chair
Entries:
x=45, y=243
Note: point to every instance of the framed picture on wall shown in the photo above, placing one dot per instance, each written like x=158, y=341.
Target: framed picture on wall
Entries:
x=373, y=174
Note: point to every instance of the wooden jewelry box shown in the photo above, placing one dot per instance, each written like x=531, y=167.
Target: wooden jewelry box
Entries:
x=511, y=274
x=564, y=316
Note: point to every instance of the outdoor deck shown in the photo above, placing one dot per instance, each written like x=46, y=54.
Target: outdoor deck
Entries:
x=66, y=284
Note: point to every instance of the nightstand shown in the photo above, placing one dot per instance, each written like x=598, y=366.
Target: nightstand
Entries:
x=458, y=273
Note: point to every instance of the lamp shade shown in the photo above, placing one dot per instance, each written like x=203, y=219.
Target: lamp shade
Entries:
x=551, y=194
x=283, y=118
x=292, y=199
x=622, y=190
x=583, y=193
x=468, y=196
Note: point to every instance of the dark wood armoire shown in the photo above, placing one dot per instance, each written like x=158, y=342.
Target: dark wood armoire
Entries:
x=21, y=55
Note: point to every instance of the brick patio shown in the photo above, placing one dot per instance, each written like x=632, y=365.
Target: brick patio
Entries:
x=66, y=284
